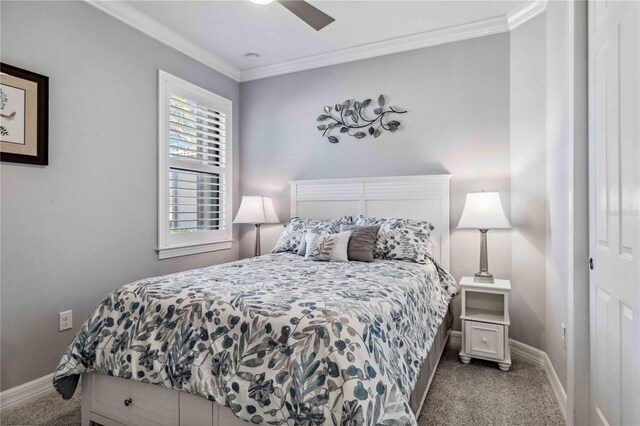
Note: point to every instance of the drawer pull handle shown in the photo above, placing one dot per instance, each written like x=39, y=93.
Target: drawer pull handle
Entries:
x=484, y=340
x=128, y=402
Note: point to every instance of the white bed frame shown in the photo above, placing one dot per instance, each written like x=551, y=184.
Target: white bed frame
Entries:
x=111, y=401
x=423, y=197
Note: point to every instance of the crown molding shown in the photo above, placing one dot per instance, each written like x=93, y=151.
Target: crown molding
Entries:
x=401, y=44
x=140, y=21
x=143, y=23
x=518, y=17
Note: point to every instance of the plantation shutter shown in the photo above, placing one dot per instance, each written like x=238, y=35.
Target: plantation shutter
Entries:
x=196, y=146
x=197, y=138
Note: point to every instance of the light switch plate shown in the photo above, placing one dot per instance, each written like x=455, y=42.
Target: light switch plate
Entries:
x=66, y=320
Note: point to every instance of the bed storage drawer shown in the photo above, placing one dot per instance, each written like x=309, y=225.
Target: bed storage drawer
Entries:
x=107, y=397
x=226, y=417
x=133, y=403
x=153, y=405
x=111, y=401
x=484, y=340
x=195, y=410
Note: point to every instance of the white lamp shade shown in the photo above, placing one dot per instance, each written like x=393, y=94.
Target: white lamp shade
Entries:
x=256, y=209
x=483, y=210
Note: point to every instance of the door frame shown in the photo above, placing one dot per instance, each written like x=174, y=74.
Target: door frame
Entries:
x=577, y=336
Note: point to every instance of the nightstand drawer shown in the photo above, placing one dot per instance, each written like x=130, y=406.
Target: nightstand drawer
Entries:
x=484, y=340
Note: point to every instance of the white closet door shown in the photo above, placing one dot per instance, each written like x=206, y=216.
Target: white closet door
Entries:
x=614, y=186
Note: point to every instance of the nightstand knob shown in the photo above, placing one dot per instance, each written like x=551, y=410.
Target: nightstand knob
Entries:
x=484, y=340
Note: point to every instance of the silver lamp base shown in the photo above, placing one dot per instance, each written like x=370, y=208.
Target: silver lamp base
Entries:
x=483, y=278
x=256, y=249
x=483, y=275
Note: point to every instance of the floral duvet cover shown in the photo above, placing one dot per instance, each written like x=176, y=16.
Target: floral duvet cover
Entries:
x=277, y=339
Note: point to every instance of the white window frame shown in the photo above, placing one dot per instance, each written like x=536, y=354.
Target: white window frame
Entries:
x=173, y=245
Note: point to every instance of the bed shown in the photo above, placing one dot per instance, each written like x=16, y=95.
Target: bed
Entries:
x=276, y=339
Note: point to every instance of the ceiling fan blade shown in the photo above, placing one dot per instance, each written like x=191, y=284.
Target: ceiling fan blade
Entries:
x=313, y=16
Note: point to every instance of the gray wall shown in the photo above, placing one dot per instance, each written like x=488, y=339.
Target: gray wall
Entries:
x=86, y=224
x=458, y=98
x=528, y=182
x=558, y=110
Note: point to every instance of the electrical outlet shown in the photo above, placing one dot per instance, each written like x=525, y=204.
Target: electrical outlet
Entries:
x=564, y=336
x=66, y=320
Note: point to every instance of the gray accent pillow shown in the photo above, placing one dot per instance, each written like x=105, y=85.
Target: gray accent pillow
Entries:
x=362, y=242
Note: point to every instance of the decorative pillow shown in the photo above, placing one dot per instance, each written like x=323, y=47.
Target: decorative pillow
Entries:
x=400, y=239
x=327, y=247
x=362, y=241
x=302, y=247
x=297, y=227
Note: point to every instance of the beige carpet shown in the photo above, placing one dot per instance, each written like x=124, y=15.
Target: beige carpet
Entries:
x=50, y=410
x=481, y=394
x=475, y=394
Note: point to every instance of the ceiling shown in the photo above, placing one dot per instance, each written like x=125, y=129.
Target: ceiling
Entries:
x=228, y=30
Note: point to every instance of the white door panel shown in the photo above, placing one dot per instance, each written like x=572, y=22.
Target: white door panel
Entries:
x=614, y=187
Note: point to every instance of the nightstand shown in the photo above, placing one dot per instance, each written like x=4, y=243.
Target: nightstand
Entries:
x=485, y=321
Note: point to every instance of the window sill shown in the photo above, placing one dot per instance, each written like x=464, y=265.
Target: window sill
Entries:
x=169, y=252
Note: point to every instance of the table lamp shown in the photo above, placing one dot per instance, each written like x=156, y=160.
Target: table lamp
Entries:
x=256, y=209
x=483, y=211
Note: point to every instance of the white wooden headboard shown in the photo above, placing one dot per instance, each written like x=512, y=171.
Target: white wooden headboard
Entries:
x=414, y=197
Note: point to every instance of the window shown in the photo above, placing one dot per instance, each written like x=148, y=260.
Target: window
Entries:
x=194, y=169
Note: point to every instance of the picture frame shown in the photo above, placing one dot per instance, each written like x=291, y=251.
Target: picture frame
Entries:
x=24, y=116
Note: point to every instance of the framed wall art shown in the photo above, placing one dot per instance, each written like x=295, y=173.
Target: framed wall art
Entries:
x=24, y=116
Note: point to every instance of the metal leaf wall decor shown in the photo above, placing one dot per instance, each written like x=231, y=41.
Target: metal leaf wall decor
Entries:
x=351, y=118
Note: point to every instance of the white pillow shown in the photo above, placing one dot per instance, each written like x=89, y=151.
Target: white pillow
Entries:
x=327, y=247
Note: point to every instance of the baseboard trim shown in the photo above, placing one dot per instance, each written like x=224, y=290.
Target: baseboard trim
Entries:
x=26, y=392
x=527, y=353
x=558, y=390
x=455, y=339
